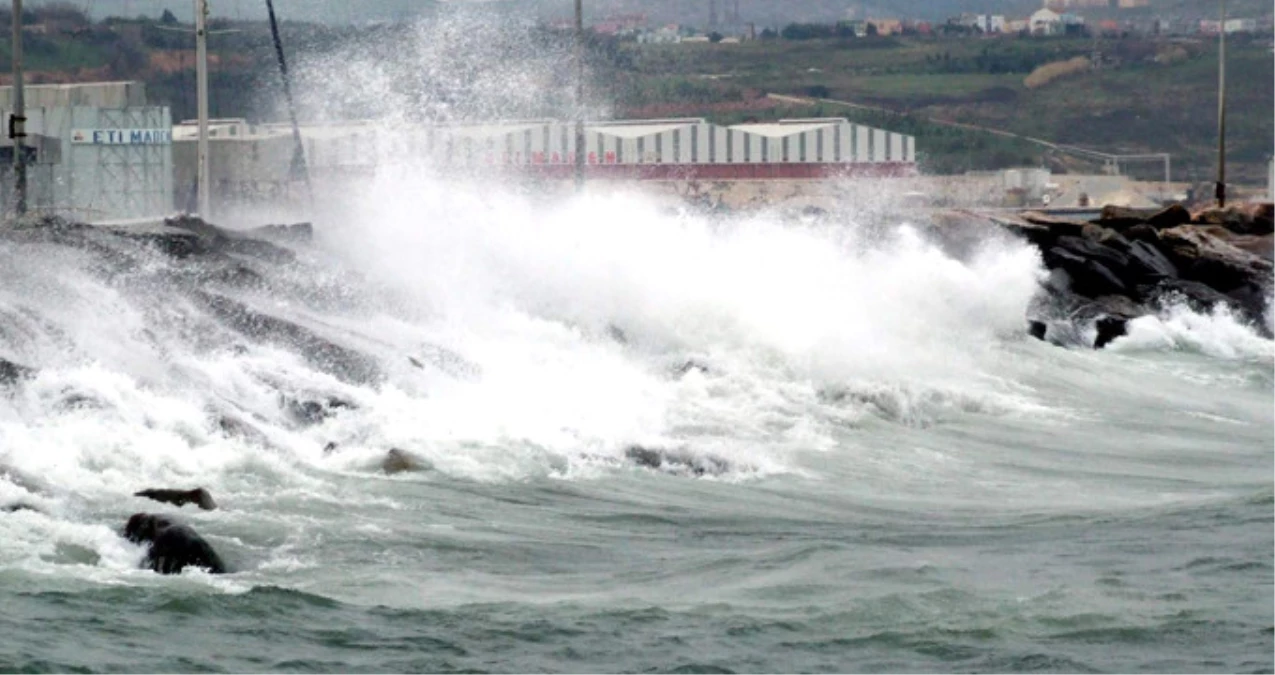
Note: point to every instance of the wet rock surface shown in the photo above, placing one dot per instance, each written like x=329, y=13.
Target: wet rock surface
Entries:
x=1127, y=263
x=198, y=496
x=173, y=546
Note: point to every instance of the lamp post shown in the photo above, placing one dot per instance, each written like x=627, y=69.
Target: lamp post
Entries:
x=18, y=120
x=201, y=76
x=579, y=53
x=1220, y=191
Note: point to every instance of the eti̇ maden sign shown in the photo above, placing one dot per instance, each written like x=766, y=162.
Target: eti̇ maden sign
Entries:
x=122, y=136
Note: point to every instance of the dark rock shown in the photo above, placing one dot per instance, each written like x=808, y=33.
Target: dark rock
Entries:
x=692, y=365
x=1089, y=278
x=1253, y=219
x=1205, y=255
x=171, y=241
x=1109, y=328
x=1262, y=246
x=310, y=412
x=1120, y=217
x=1111, y=258
x=1199, y=297
x=213, y=238
x=1109, y=317
x=1105, y=236
x=401, y=461
x=233, y=426
x=330, y=448
x=1037, y=329
x=1055, y=227
x=1171, y=216
x=173, y=546
x=676, y=461
x=1109, y=305
x=11, y=373
x=20, y=506
x=1248, y=301
x=198, y=496
x=1251, y=299
x=1143, y=232
x=341, y=362
x=1148, y=265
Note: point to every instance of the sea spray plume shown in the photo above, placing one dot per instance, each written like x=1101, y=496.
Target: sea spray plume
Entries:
x=769, y=302
x=461, y=64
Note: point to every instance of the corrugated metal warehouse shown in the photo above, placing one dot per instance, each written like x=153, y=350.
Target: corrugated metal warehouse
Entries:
x=253, y=163
x=99, y=152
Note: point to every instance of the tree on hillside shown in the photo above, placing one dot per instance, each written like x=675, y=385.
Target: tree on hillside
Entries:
x=61, y=11
x=168, y=17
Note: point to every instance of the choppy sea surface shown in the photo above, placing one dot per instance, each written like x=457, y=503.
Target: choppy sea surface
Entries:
x=867, y=464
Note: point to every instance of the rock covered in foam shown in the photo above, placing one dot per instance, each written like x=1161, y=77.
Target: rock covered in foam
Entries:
x=1147, y=258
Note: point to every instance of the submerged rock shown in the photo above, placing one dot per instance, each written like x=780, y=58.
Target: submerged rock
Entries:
x=173, y=546
x=310, y=412
x=198, y=496
x=341, y=362
x=679, y=462
x=401, y=461
x=11, y=373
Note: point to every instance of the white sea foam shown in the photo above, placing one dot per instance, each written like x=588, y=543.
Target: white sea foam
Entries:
x=1219, y=334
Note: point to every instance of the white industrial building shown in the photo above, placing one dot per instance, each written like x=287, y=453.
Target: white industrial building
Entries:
x=825, y=141
x=97, y=151
x=253, y=163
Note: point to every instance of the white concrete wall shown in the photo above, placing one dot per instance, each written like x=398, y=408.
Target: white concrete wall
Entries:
x=1270, y=181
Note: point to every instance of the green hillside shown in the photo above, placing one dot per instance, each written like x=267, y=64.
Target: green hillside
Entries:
x=1145, y=95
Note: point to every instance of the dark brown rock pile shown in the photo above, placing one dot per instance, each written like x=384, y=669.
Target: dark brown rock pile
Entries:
x=1130, y=262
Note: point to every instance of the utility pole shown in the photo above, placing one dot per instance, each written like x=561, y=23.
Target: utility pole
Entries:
x=18, y=120
x=1220, y=191
x=201, y=75
x=580, y=153
x=298, y=154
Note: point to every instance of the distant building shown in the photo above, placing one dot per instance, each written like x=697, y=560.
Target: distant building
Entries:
x=1069, y=20
x=1018, y=26
x=887, y=26
x=1046, y=22
x=986, y=23
x=97, y=151
x=250, y=164
x=1133, y=4
x=1211, y=27
x=1069, y=4
x=671, y=33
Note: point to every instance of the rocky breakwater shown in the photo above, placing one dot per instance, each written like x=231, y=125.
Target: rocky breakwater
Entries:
x=1128, y=263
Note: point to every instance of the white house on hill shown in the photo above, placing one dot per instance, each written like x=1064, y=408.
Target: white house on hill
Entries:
x=1046, y=22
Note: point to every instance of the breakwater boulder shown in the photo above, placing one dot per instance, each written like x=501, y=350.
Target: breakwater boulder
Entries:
x=1127, y=263
x=198, y=496
x=173, y=546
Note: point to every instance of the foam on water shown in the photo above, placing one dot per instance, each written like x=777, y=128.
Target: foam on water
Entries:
x=1218, y=334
